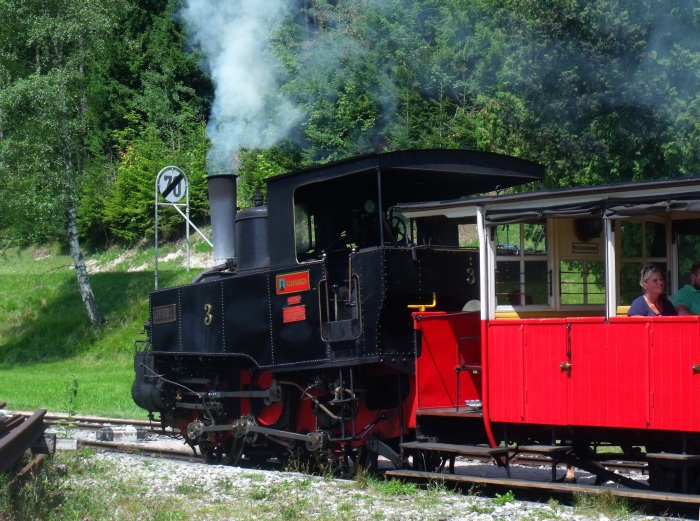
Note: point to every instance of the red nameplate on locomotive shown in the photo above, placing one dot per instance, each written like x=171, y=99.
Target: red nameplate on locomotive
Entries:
x=292, y=282
x=294, y=314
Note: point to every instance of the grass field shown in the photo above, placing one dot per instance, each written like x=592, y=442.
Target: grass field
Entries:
x=46, y=343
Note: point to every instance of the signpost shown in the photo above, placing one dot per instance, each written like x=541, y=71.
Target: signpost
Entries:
x=172, y=185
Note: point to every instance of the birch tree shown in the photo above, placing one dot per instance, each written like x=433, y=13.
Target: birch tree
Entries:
x=51, y=55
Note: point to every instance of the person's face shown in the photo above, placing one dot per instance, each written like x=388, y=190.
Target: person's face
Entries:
x=695, y=279
x=654, y=284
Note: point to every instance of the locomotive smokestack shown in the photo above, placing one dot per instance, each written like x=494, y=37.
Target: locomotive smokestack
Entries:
x=222, y=205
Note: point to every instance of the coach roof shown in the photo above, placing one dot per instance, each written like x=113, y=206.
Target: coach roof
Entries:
x=611, y=201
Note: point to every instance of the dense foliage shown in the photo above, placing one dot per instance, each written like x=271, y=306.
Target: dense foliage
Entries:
x=96, y=98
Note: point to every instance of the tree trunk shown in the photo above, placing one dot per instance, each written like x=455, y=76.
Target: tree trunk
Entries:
x=93, y=312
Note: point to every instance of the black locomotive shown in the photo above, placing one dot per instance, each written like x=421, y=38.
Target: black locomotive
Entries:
x=300, y=340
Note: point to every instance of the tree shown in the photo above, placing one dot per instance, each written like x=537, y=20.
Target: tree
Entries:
x=163, y=97
x=52, y=56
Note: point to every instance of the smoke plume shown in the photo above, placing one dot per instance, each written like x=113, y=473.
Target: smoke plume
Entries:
x=234, y=37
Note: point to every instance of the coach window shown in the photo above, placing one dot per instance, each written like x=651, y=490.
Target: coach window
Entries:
x=581, y=261
x=522, y=269
x=641, y=243
x=582, y=281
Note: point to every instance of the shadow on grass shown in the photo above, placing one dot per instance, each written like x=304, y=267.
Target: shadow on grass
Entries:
x=54, y=326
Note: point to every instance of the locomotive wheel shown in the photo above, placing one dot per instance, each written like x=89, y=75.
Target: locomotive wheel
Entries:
x=273, y=415
x=234, y=451
x=213, y=455
x=360, y=458
x=227, y=452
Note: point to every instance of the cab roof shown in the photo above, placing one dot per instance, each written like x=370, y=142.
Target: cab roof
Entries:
x=419, y=175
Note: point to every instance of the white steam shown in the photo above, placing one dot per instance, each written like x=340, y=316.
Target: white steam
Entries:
x=234, y=37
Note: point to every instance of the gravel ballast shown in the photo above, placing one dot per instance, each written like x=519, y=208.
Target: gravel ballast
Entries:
x=221, y=492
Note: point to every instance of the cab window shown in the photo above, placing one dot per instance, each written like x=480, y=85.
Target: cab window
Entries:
x=304, y=233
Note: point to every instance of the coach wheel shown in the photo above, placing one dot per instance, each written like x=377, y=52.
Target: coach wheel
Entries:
x=426, y=461
x=663, y=479
x=673, y=476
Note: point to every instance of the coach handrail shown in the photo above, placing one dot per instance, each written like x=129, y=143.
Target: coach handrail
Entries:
x=423, y=307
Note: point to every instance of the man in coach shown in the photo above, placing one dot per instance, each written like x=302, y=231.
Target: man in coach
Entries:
x=687, y=299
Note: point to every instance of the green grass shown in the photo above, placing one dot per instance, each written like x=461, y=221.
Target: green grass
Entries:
x=608, y=505
x=46, y=341
x=79, y=485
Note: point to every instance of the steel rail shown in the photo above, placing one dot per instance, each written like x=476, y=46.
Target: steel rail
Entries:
x=16, y=441
x=97, y=422
x=101, y=420
x=659, y=498
x=110, y=446
x=620, y=465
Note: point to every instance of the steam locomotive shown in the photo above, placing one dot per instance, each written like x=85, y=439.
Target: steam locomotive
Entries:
x=402, y=305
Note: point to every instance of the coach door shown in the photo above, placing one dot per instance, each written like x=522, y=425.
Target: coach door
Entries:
x=674, y=374
x=528, y=377
x=609, y=383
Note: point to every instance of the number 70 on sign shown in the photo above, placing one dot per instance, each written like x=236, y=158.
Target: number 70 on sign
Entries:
x=172, y=184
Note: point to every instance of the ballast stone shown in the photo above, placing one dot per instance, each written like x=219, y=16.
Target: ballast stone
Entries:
x=127, y=433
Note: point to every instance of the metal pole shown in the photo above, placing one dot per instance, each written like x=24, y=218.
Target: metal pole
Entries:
x=170, y=191
x=187, y=224
x=380, y=208
x=156, y=245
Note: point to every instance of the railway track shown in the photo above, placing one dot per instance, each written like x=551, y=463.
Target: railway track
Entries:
x=94, y=423
x=536, y=490
x=659, y=500
x=544, y=488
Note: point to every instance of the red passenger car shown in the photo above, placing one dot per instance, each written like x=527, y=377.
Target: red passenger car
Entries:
x=551, y=362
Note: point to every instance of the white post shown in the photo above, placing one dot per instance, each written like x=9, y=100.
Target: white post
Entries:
x=610, y=269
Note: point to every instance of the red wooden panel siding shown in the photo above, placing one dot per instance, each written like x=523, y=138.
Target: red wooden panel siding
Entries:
x=609, y=377
x=628, y=373
x=545, y=382
x=675, y=387
x=588, y=383
x=505, y=367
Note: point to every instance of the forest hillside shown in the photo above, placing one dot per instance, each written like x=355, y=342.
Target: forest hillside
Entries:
x=96, y=98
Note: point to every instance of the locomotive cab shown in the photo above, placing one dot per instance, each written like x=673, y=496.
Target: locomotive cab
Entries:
x=365, y=262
